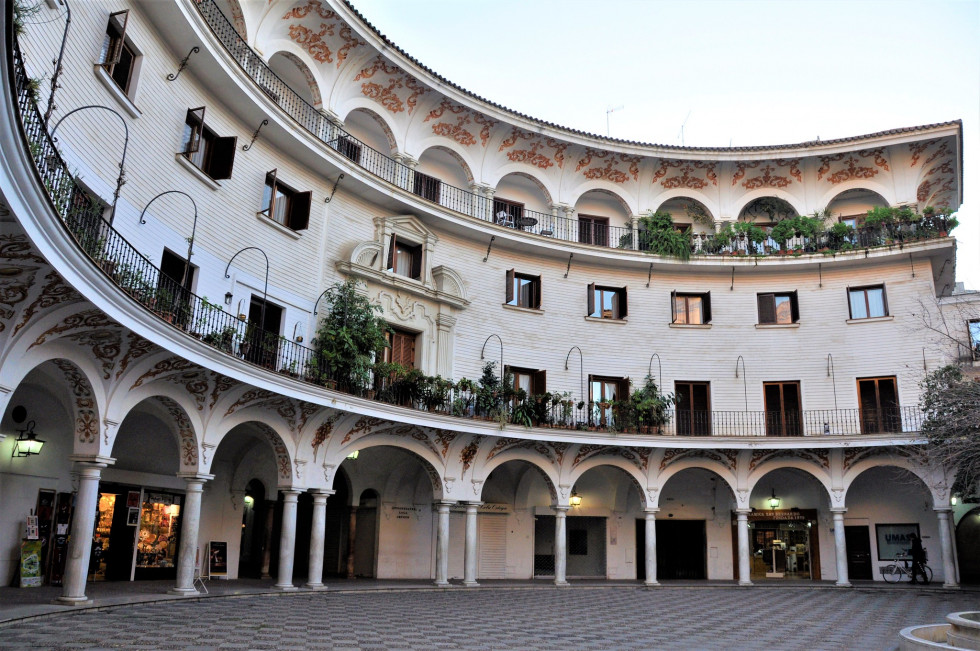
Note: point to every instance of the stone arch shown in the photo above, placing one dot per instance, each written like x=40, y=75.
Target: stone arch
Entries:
x=366, y=108
x=283, y=454
x=604, y=188
x=903, y=463
x=709, y=204
x=726, y=474
x=84, y=406
x=521, y=171
x=835, y=193
x=124, y=402
x=548, y=472
x=232, y=10
x=305, y=68
x=452, y=150
x=763, y=469
x=747, y=198
x=429, y=460
x=681, y=201
x=180, y=425
x=636, y=478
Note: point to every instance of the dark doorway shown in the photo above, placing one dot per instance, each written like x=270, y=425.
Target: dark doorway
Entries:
x=173, y=289
x=262, y=334
x=254, y=514
x=681, y=549
x=968, y=546
x=366, y=535
x=335, y=542
x=879, y=405
x=783, y=415
x=858, y=539
x=641, y=549
x=544, y=545
x=693, y=408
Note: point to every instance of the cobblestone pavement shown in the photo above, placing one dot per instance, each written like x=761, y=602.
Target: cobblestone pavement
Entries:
x=506, y=618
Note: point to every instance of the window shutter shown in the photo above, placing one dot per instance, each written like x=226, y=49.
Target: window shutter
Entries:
x=884, y=299
x=195, y=118
x=623, y=390
x=538, y=383
x=417, y=263
x=299, y=218
x=222, y=157
x=120, y=19
x=591, y=292
x=510, y=285
x=795, y=305
x=536, y=290
x=850, y=313
x=673, y=306
x=270, y=182
x=622, y=304
x=391, y=253
x=707, y=308
x=767, y=308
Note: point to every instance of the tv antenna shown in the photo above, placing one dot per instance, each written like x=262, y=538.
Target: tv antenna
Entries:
x=611, y=110
x=682, y=127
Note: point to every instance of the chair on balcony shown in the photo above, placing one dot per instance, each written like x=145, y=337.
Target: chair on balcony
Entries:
x=504, y=218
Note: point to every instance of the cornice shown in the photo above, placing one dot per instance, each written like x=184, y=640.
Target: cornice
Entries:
x=400, y=283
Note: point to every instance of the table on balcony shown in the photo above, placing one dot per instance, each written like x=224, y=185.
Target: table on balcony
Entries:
x=525, y=222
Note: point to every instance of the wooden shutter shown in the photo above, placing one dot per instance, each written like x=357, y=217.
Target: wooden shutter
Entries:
x=795, y=306
x=767, y=308
x=270, y=181
x=536, y=291
x=850, y=313
x=539, y=383
x=403, y=348
x=195, y=118
x=391, y=253
x=623, y=312
x=417, y=263
x=120, y=19
x=706, y=309
x=510, y=285
x=673, y=306
x=591, y=292
x=299, y=213
x=884, y=300
x=222, y=157
x=623, y=390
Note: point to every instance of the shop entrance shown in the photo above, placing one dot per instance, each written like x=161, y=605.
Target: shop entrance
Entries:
x=783, y=544
x=585, y=546
x=254, y=516
x=968, y=546
x=681, y=546
x=858, y=540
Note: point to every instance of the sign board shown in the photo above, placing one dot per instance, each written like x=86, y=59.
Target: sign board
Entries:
x=217, y=558
x=483, y=508
x=894, y=539
x=781, y=515
x=30, y=563
x=33, y=533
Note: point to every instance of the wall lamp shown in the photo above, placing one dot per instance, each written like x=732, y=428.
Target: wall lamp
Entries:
x=27, y=442
x=774, y=501
x=575, y=499
x=228, y=297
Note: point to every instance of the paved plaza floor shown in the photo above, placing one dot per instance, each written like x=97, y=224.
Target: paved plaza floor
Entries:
x=382, y=616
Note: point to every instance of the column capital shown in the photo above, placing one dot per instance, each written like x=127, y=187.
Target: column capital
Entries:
x=444, y=320
x=942, y=509
x=443, y=504
x=838, y=510
x=290, y=494
x=561, y=509
x=473, y=502
x=321, y=491
x=92, y=460
x=190, y=477
x=743, y=512
x=653, y=510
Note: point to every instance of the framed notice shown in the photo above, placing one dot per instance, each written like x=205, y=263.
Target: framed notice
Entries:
x=133, y=516
x=893, y=539
x=217, y=558
x=133, y=499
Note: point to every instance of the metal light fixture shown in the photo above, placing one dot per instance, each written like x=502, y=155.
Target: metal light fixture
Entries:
x=27, y=443
x=774, y=501
x=575, y=499
x=228, y=297
x=954, y=500
x=353, y=455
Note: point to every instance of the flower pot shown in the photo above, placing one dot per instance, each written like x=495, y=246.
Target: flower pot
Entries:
x=330, y=384
x=242, y=317
x=370, y=394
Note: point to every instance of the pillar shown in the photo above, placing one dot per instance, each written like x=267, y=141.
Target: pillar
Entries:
x=317, y=533
x=635, y=227
x=270, y=520
x=744, y=565
x=650, y=547
x=488, y=192
x=351, y=538
x=469, y=551
x=946, y=543
x=442, y=543
x=840, y=546
x=287, y=540
x=561, y=545
x=445, y=337
x=190, y=525
x=82, y=526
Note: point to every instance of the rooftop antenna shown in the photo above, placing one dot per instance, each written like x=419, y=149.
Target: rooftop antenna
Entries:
x=682, y=127
x=608, y=111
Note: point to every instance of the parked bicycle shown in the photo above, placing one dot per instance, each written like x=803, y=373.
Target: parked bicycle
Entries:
x=894, y=572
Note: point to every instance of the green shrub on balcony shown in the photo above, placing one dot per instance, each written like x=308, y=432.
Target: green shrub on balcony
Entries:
x=657, y=235
x=350, y=336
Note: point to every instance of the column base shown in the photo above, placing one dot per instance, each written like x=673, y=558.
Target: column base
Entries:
x=72, y=601
x=184, y=592
x=470, y=584
x=316, y=586
x=651, y=584
x=286, y=587
x=951, y=586
x=843, y=585
x=745, y=583
x=441, y=584
x=562, y=584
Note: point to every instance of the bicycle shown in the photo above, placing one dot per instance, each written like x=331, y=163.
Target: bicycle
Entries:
x=893, y=572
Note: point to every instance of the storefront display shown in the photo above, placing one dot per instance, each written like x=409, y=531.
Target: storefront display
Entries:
x=159, y=526
x=100, y=540
x=783, y=544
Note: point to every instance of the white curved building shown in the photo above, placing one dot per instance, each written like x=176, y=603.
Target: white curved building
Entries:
x=173, y=421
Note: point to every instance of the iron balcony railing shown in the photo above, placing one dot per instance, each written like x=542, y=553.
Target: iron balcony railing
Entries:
x=171, y=301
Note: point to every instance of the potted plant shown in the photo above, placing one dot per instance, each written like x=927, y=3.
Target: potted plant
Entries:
x=522, y=411
x=652, y=406
x=657, y=235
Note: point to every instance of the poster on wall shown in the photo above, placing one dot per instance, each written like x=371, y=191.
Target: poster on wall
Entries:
x=133, y=517
x=217, y=558
x=893, y=539
x=30, y=563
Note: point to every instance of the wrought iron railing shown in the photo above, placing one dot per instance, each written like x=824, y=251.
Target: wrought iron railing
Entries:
x=171, y=301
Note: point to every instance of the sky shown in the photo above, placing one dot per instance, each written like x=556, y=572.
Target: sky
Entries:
x=730, y=72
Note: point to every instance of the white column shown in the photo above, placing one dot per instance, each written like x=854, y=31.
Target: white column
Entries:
x=442, y=543
x=561, y=546
x=744, y=566
x=82, y=527
x=635, y=227
x=287, y=540
x=190, y=525
x=650, y=547
x=469, y=551
x=946, y=542
x=488, y=192
x=317, y=534
x=840, y=546
x=444, y=343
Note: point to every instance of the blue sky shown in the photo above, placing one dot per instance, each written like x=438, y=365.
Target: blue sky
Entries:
x=740, y=73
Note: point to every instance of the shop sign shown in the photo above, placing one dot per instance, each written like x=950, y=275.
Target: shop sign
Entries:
x=30, y=564
x=483, y=508
x=782, y=515
x=894, y=539
x=217, y=558
x=160, y=498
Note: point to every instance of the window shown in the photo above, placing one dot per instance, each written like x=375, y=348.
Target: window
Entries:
x=523, y=290
x=603, y=392
x=533, y=382
x=118, y=57
x=867, y=302
x=401, y=348
x=404, y=258
x=878, y=398
x=426, y=186
x=693, y=408
x=283, y=205
x=349, y=148
x=261, y=343
x=593, y=230
x=607, y=302
x=507, y=213
x=690, y=309
x=783, y=414
x=973, y=325
x=778, y=308
x=211, y=154
x=173, y=289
